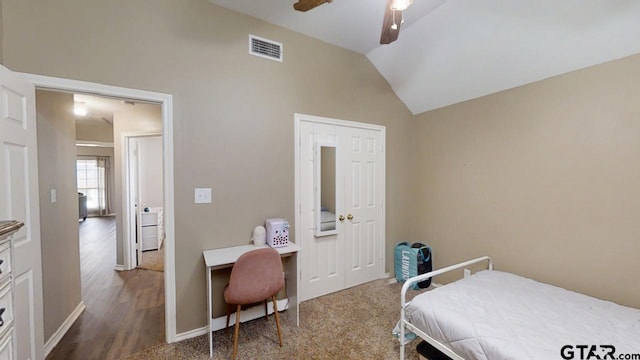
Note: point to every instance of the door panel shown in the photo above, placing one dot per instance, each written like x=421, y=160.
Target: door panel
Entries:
x=363, y=205
x=322, y=270
x=19, y=201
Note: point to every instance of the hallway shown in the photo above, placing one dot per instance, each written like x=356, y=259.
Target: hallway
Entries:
x=124, y=310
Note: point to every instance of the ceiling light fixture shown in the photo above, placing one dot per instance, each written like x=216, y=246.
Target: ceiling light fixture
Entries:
x=400, y=5
x=79, y=109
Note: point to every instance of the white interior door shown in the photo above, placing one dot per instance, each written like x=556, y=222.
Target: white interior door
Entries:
x=355, y=254
x=19, y=201
x=133, y=184
x=362, y=152
x=322, y=258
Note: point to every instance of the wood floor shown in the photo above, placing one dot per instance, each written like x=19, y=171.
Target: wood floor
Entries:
x=124, y=310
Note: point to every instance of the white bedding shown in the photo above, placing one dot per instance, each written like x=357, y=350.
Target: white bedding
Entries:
x=497, y=315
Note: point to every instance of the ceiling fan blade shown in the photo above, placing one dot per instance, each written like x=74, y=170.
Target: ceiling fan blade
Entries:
x=306, y=5
x=389, y=34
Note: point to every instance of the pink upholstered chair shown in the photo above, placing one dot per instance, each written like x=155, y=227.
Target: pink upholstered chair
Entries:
x=255, y=277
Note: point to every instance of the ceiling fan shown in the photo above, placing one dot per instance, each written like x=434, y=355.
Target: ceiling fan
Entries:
x=391, y=22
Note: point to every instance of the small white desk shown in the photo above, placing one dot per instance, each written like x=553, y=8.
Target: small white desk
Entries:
x=225, y=258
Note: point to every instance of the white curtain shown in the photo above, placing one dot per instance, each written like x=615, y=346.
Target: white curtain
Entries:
x=104, y=185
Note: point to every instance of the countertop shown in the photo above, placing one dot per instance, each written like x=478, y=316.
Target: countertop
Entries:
x=9, y=227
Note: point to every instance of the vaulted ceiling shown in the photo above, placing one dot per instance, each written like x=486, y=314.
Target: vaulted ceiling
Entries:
x=450, y=51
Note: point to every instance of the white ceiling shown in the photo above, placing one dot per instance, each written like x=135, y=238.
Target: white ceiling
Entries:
x=455, y=50
x=101, y=109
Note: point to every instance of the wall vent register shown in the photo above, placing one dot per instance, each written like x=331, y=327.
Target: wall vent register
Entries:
x=265, y=48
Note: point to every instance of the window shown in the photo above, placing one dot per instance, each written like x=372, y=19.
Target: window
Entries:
x=91, y=182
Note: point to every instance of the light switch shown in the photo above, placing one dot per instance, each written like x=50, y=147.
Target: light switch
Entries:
x=54, y=196
x=202, y=195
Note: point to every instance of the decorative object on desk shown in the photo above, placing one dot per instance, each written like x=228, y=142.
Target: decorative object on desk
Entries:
x=277, y=232
x=255, y=277
x=259, y=236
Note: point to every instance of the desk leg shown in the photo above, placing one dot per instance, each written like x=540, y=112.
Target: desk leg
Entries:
x=209, y=311
x=291, y=267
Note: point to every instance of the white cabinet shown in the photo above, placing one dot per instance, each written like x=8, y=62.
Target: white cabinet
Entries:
x=152, y=228
x=7, y=346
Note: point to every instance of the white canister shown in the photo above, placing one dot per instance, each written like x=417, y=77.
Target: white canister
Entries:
x=259, y=236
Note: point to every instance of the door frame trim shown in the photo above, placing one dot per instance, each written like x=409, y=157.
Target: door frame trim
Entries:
x=298, y=118
x=166, y=102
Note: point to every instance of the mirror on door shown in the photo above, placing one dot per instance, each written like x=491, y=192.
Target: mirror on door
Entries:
x=325, y=186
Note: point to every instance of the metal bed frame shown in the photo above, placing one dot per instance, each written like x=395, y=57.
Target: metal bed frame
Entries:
x=404, y=324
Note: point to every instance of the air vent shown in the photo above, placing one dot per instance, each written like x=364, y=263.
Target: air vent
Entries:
x=265, y=48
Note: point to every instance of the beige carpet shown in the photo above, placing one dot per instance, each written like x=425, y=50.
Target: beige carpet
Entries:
x=352, y=324
x=153, y=260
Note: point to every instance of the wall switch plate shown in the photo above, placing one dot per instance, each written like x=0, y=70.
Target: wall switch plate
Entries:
x=54, y=196
x=467, y=272
x=202, y=195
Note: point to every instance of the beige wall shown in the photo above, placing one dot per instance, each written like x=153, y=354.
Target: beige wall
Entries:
x=233, y=113
x=1, y=32
x=544, y=178
x=94, y=130
x=94, y=151
x=59, y=220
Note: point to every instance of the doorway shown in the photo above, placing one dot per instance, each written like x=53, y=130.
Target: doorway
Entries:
x=343, y=239
x=144, y=200
x=166, y=103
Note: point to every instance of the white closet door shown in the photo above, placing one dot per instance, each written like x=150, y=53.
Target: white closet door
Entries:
x=362, y=229
x=322, y=258
x=355, y=254
x=19, y=200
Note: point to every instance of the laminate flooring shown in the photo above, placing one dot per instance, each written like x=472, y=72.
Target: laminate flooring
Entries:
x=124, y=310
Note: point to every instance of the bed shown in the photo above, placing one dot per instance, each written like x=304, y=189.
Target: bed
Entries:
x=497, y=315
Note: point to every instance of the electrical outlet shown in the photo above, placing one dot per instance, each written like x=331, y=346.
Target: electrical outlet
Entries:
x=467, y=272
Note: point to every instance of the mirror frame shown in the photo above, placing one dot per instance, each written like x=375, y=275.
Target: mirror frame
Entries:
x=317, y=232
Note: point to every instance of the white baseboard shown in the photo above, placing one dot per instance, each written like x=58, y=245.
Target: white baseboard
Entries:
x=220, y=323
x=191, y=333
x=119, y=267
x=62, y=330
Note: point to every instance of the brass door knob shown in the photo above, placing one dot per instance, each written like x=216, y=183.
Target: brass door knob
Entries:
x=350, y=217
x=341, y=218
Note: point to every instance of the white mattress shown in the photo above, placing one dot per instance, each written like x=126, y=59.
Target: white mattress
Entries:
x=497, y=315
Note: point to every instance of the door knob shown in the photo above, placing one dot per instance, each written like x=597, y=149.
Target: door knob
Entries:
x=341, y=218
x=350, y=217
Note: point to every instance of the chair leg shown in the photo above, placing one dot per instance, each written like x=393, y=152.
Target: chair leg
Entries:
x=235, y=336
x=275, y=311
